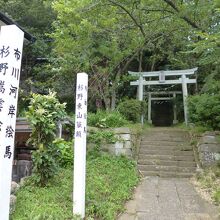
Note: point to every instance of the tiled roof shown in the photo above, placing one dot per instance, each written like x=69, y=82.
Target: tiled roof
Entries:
x=8, y=21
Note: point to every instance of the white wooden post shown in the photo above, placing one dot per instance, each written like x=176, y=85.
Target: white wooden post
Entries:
x=149, y=108
x=11, y=44
x=175, y=121
x=141, y=94
x=80, y=145
x=185, y=94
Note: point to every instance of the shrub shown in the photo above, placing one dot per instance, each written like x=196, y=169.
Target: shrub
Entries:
x=65, y=149
x=103, y=119
x=132, y=109
x=45, y=165
x=99, y=137
x=43, y=114
x=204, y=110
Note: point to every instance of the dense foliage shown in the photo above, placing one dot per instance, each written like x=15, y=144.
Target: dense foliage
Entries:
x=101, y=137
x=204, y=110
x=43, y=114
x=110, y=181
x=132, y=109
x=105, y=119
x=107, y=38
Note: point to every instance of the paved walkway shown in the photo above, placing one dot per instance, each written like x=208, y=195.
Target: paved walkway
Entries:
x=168, y=199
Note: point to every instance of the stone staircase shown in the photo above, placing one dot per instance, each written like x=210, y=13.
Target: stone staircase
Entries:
x=166, y=152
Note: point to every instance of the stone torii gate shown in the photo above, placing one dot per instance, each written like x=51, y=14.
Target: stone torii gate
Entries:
x=161, y=75
x=155, y=96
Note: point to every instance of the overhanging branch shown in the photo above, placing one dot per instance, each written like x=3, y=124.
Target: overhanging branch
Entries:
x=130, y=15
x=185, y=18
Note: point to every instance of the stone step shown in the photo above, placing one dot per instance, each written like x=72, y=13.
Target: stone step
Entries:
x=163, y=143
x=166, y=174
x=187, y=147
x=167, y=163
x=172, y=133
x=166, y=168
x=165, y=152
x=166, y=157
x=159, y=138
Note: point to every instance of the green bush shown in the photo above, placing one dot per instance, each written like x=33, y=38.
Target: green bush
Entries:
x=132, y=109
x=103, y=119
x=204, y=110
x=99, y=137
x=65, y=148
x=45, y=164
x=43, y=114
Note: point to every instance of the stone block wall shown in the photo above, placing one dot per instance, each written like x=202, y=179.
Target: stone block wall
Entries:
x=209, y=149
x=128, y=142
x=21, y=168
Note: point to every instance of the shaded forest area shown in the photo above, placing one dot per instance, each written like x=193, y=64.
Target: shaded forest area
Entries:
x=106, y=38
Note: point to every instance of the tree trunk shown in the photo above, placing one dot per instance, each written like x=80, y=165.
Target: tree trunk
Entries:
x=113, y=100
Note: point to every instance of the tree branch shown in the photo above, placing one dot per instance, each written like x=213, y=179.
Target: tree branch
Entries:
x=185, y=18
x=130, y=15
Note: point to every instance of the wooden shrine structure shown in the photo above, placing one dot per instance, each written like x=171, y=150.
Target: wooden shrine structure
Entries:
x=161, y=79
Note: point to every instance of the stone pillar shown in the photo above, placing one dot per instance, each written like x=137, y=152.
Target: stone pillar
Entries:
x=149, y=108
x=175, y=121
x=140, y=88
x=185, y=94
x=59, y=129
x=141, y=94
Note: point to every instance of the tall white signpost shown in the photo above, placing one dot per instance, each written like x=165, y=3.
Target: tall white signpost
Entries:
x=11, y=44
x=80, y=145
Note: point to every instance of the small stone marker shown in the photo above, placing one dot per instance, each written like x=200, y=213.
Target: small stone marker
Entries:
x=11, y=44
x=80, y=145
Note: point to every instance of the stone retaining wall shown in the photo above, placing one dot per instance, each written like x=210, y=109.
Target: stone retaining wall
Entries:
x=21, y=168
x=128, y=141
x=209, y=149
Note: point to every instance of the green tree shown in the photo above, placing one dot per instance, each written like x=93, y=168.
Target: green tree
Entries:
x=36, y=17
x=43, y=114
x=106, y=37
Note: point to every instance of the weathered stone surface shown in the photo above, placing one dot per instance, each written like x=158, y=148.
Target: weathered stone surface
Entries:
x=92, y=129
x=209, y=149
x=168, y=199
x=131, y=207
x=24, y=168
x=127, y=216
x=14, y=187
x=110, y=148
x=12, y=203
x=119, y=145
x=127, y=144
x=122, y=130
x=209, y=158
x=215, y=148
x=126, y=137
x=123, y=151
x=209, y=139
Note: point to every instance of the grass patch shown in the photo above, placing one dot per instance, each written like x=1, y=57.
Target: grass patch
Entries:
x=209, y=182
x=110, y=181
x=218, y=138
